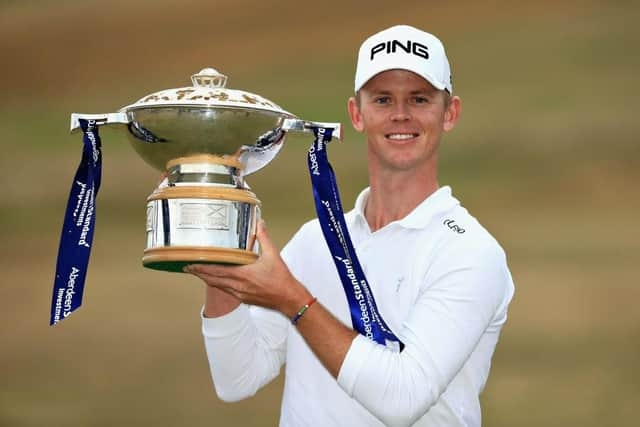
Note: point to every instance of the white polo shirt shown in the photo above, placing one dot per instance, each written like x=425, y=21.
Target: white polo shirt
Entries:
x=440, y=282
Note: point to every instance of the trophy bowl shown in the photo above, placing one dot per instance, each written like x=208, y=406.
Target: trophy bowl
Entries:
x=206, y=139
x=182, y=131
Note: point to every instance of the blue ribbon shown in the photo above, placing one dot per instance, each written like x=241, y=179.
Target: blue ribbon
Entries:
x=77, y=232
x=365, y=317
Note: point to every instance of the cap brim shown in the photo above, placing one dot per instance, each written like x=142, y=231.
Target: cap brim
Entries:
x=429, y=78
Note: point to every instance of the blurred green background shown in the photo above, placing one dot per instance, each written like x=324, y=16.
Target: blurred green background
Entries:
x=546, y=156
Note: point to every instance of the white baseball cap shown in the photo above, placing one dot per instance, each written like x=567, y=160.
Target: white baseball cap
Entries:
x=406, y=48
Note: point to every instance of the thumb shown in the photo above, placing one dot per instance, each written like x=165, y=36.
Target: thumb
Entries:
x=267, y=246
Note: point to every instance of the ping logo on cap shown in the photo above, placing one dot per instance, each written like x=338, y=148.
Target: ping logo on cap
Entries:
x=391, y=46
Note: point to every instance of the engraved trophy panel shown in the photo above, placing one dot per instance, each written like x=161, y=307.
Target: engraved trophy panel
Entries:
x=202, y=214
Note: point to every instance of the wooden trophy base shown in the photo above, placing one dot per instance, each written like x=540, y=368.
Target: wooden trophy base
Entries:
x=175, y=258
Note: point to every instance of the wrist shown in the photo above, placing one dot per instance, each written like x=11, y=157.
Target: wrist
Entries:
x=303, y=310
x=298, y=297
x=218, y=303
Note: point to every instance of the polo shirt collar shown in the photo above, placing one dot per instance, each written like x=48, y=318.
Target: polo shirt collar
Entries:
x=439, y=201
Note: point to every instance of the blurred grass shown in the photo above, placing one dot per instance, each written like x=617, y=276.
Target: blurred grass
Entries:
x=546, y=156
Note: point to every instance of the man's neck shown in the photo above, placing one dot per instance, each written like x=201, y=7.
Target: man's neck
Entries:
x=394, y=196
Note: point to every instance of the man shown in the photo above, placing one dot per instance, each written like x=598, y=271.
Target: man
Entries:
x=439, y=279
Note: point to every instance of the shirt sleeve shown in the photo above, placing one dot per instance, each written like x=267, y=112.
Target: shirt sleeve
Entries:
x=462, y=301
x=245, y=348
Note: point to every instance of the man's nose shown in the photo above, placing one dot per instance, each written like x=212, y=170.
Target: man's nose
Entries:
x=400, y=112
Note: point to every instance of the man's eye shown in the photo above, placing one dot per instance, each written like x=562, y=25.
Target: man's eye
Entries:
x=421, y=100
x=382, y=100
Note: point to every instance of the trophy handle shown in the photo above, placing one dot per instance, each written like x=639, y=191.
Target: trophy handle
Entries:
x=101, y=119
x=307, y=126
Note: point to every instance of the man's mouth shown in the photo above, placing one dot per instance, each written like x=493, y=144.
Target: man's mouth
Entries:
x=400, y=136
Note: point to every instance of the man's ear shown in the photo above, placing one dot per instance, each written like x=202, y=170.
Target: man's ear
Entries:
x=355, y=114
x=452, y=114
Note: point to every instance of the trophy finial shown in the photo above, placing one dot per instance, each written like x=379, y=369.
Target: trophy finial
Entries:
x=209, y=77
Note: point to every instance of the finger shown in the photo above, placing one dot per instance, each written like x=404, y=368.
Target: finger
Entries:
x=267, y=246
x=212, y=270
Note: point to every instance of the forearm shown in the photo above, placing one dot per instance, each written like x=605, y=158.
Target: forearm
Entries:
x=327, y=337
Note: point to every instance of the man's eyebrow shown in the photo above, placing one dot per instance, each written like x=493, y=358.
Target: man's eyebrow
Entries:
x=425, y=91
x=380, y=92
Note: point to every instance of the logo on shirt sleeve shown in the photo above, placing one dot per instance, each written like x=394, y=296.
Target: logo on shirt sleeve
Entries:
x=453, y=226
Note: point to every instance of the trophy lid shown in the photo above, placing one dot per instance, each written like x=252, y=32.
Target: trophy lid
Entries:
x=208, y=90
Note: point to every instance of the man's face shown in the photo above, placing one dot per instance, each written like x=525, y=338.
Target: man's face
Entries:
x=404, y=117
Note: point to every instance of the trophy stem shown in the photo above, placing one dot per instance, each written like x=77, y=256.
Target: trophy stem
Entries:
x=202, y=213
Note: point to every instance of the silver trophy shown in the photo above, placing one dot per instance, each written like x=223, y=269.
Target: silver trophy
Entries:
x=206, y=139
